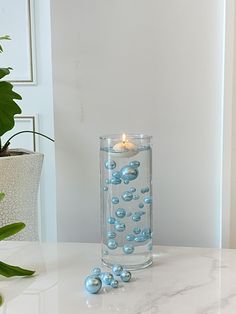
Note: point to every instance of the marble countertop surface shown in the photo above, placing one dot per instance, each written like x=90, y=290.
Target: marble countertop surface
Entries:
x=181, y=281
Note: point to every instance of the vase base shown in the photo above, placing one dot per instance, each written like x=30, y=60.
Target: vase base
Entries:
x=129, y=267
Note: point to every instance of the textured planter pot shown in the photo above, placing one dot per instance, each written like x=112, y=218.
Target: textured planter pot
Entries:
x=19, y=180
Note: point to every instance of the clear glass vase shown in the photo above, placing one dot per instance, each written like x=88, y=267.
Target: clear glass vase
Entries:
x=126, y=200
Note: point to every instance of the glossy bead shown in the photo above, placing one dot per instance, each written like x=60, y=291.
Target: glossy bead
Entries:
x=115, y=200
x=112, y=244
x=111, y=220
x=132, y=190
x=145, y=190
x=141, y=205
x=126, y=181
x=120, y=212
x=93, y=284
x=125, y=275
x=105, y=188
x=117, y=269
x=96, y=271
x=110, y=164
x=147, y=200
x=116, y=175
x=140, y=238
x=128, y=248
x=136, y=230
x=120, y=227
x=134, y=164
x=107, y=181
x=107, y=278
x=136, y=217
x=136, y=197
x=130, y=237
x=114, y=283
x=111, y=235
x=147, y=233
x=141, y=212
x=127, y=196
x=129, y=173
x=115, y=181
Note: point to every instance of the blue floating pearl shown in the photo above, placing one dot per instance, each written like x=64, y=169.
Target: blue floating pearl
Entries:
x=141, y=205
x=136, y=197
x=117, y=269
x=136, y=217
x=141, y=212
x=128, y=214
x=144, y=190
x=147, y=233
x=120, y=212
x=126, y=181
x=140, y=238
x=105, y=188
x=111, y=235
x=116, y=175
x=129, y=173
x=147, y=200
x=128, y=248
x=125, y=275
x=105, y=252
x=136, y=230
x=112, y=244
x=111, y=220
x=93, y=284
x=134, y=164
x=96, y=271
x=110, y=164
x=127, y=196
x=107, y=278
x=114, y=283
x=107, y=181
x=130, y=237
x=120, y=227
x=115, y=181
x=132, y=190
x=115, y=200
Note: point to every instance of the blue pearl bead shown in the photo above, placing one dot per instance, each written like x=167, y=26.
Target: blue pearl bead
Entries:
x=128, y=248
x=129, y=173
x=141, y=212
x=127, y=196
x=96, y=271
x=136, y=230
x=93, y=284
x=136, y=197
x=132, y=190
x=112, y=244
x=115, y=200
x=147, y=200
x=114, y=283
x=136, y=217
x=130, y=237
x=115, y=181
x=126, y=181
x=141, y=205
x=144, y=190
x=110, y=164
x=111, y=220
x=147, y=233
x=105, y=188
x=120, y=227
x=120, y=212
x=117, y=269
x=107, y=278
x=111, y=235
x=107, y=181
x=116, y=175
x=125, y=275
x=134, y=164
x=140, y=238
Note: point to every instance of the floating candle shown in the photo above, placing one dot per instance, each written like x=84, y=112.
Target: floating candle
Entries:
x=125, y=148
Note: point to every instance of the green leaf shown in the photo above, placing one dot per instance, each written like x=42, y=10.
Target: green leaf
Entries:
x=8, y=107
x=2, y=195
x=10, y=230
x=10, y=271
x=4, y=72
x=5, y=37
x=1, y=300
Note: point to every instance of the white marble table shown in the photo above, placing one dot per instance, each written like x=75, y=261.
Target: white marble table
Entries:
x=181, y=280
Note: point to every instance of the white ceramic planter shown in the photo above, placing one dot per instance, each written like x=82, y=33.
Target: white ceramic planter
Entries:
x=19, y=180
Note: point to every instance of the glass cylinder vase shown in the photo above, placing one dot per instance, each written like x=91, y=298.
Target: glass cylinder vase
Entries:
x=126, y=200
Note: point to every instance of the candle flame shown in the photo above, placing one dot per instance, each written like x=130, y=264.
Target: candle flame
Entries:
x=123, y=138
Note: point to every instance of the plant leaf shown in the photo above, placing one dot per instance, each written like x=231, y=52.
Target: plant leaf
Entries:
x=10, y=230
x=5, y=37
x=8, y=107
x=10, y=270
x=4, y=71
x=2, y=195
x=1, y=300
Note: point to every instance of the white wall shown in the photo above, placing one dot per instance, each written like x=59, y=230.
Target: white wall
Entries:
x=140, y=66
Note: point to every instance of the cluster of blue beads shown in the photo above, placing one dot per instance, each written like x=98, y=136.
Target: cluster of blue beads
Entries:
x=93, y=283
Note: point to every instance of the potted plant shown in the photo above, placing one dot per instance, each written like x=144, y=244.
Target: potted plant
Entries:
x=20, y=169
